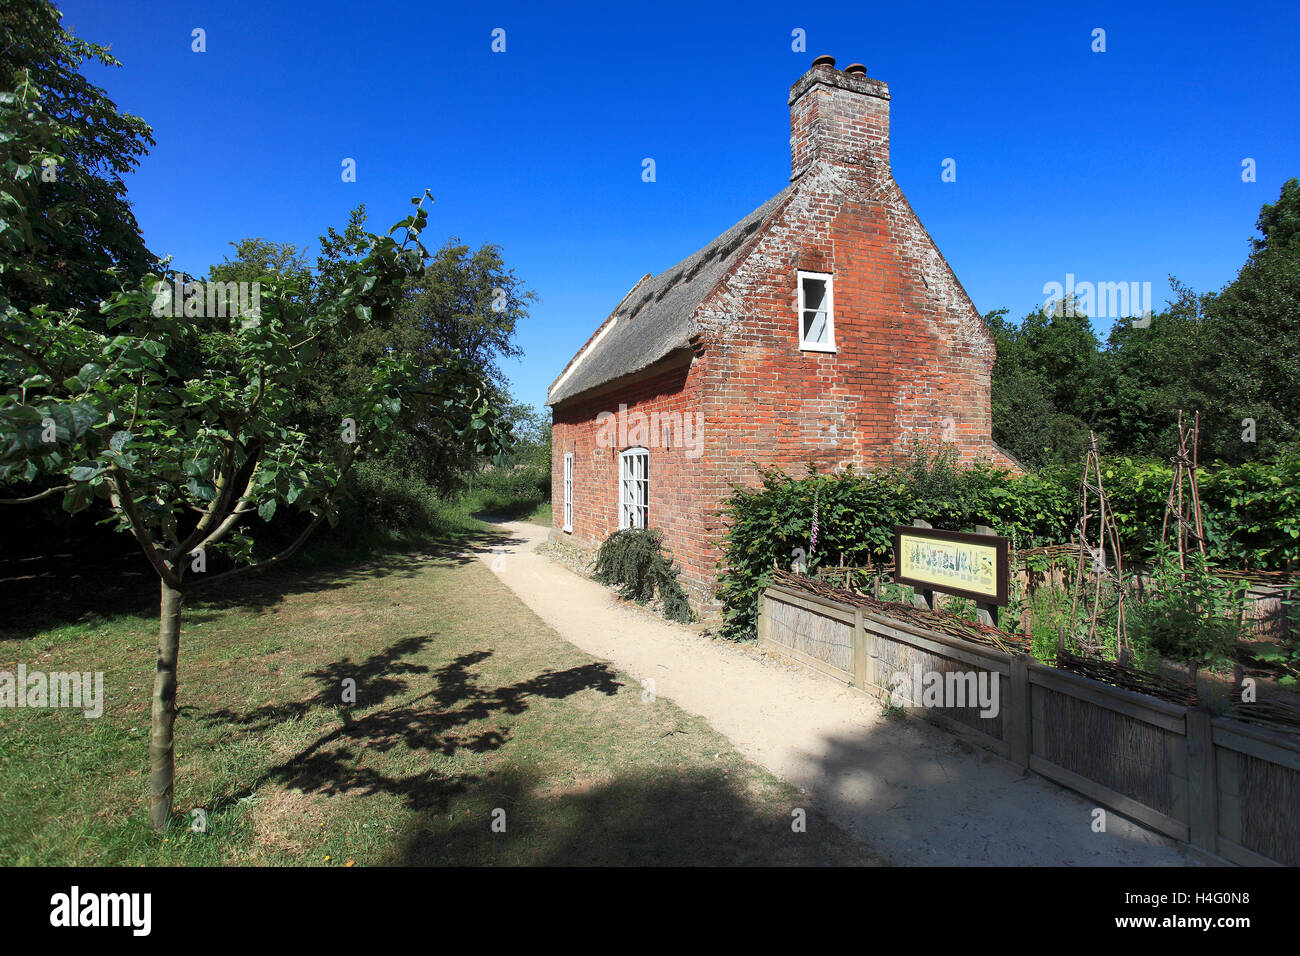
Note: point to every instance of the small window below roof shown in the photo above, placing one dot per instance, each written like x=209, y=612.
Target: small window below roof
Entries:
x=816, y=312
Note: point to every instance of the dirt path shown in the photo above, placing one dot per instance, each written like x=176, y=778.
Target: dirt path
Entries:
x=917, y=795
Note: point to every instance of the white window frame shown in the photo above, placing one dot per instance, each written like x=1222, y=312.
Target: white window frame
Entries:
x=804, y=344
x=634, y=488
x=568, y=491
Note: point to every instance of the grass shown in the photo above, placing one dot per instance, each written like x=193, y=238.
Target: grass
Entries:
x=519, y=493
x=468, y=710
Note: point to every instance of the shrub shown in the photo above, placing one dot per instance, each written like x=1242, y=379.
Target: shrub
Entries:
x=380, y=496
x=857, y=514
x=512, y=489
x=1251, y=512
x=634, y=560
x=1189, y=614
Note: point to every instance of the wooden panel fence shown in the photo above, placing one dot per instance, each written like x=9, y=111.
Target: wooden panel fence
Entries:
x=1228, y=788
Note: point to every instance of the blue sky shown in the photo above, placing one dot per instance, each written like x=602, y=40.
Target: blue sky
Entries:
x=1115, y=166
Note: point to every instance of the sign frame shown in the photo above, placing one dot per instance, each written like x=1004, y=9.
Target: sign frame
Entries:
x=1003, y=551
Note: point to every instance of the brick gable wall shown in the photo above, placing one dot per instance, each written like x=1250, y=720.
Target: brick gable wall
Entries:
x=913, y=364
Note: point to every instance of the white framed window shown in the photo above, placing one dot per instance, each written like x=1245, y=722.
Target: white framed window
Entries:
x=634, y=489
x=568, y=491
x=816, y=312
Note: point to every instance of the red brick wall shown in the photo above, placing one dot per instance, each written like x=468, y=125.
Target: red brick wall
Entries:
x=676, y=477
x=913, y=361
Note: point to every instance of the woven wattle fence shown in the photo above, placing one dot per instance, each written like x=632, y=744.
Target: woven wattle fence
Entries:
x=1136, y=743
x=1129, y=678
x=934, y=620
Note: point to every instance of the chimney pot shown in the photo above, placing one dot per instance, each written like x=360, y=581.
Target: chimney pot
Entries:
x=825, y=60
x=857, y=69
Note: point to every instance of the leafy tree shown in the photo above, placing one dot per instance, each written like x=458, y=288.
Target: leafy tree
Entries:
x=1147, y=375
x=257, y=258
x=1026, y=419
x=1233, y=356
x=469, y=303
x=1253, y=339
x=1023, y=417
x=185, y=426
x=1059, y=346
x=65, y=223
x=531, y=430
x=463, y=304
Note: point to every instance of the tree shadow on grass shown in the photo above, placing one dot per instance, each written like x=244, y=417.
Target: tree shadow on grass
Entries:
x=66, y=586
x=377, y=678
x=437, y=721
x=700, y=815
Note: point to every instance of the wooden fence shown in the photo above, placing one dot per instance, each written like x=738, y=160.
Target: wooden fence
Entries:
x=1225, y=787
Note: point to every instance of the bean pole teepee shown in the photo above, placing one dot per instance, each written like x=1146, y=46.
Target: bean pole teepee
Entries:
x=1092, y=495
x=1184, y=504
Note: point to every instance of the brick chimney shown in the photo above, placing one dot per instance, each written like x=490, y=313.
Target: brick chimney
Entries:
x=839, y=117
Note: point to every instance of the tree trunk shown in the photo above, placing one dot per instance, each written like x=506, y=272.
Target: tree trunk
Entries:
x=161, y=753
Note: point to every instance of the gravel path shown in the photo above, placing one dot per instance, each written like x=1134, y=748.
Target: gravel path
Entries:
x=914, y=793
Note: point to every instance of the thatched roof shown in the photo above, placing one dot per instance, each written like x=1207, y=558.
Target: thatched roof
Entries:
x=654, y=319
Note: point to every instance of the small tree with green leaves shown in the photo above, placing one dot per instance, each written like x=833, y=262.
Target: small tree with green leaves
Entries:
x=176, y=417
x=182, y=426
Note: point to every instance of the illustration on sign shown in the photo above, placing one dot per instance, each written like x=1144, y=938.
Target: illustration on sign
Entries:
x=968, y=565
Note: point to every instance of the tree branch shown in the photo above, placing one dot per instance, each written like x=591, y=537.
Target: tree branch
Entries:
x=122, y=500
x=47, y=493
x=244, y=475
x=243, y=506
x=283, y=555
x=297, y=543
x=33, y=358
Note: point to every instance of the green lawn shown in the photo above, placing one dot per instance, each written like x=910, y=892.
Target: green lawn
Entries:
x=467, y=704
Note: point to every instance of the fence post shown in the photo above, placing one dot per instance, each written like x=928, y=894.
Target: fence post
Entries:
x=763, y=623
x=861, y=658
x=1202, y=783
x=924, y=597
x=1018, y=715
x=987, y=613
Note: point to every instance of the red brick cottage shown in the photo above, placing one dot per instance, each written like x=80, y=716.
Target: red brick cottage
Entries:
x=825, y=326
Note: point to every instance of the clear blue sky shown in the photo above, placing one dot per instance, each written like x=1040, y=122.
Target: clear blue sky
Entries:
x=1115, y=166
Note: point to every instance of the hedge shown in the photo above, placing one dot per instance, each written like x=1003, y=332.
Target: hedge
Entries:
x=1251, y=514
